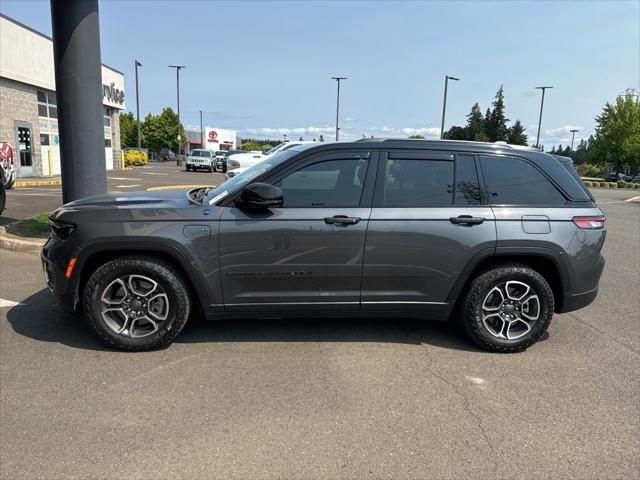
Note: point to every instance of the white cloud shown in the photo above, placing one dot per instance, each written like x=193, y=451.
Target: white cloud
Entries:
x=347, y=133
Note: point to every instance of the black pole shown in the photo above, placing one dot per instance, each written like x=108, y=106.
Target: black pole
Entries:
x=138, y=64
x=444, y=102
x=76, y=50
x=573, y=136
x=337, y=79
x=201, y=132
x=540, y=118
x=178, y=68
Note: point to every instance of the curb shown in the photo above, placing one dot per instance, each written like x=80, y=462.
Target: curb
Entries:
x=38, y=183
x=19, y=244
x=178, y=187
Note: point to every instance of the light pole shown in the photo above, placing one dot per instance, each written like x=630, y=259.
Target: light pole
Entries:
x=178, y=68
x=540, y=119
x=284, y=135
x=337, y=79
x=444, y=103
x=138, y=64
x=201, y=132
x=573, y=136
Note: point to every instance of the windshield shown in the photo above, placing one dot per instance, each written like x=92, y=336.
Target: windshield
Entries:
x=238, y=181
x=200, y=153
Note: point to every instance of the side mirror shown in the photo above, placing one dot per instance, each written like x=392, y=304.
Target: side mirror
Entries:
x=260, y=196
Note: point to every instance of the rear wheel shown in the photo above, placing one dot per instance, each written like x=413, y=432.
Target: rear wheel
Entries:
x=3, y=198
x=187, y=168
x=508, y=308
x=136, y=303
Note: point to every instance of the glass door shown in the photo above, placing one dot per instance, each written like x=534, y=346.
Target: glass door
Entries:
x=24, y=143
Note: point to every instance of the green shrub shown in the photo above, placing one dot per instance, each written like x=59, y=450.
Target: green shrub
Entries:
x=613, y=185
x=636, y=186
x=589, y=170
x=135, y=158
x=621, y=184
x=604, y=184
x=588, y=183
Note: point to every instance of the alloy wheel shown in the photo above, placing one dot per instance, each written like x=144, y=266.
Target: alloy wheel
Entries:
x=134, y=306
x=510, y=309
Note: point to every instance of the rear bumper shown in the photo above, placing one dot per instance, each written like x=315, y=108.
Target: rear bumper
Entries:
x=571, y=301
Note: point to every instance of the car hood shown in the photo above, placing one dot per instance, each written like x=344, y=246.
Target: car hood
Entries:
x=153, y=199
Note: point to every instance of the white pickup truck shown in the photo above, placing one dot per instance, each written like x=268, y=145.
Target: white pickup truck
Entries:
x=237, y=164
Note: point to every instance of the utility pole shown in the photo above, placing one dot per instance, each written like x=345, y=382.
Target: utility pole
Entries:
x=540, y=119
x=444, y=103
x=337, y=79
x=573, y=136
x=76, y=53
x=178, y=68
x=201, y=132
x=138, y=64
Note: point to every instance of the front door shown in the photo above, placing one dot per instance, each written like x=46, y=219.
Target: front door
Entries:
x=24, y=149
x=309, y=252
x=428, y=221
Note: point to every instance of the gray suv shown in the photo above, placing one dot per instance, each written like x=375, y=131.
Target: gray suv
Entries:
x=496, y=237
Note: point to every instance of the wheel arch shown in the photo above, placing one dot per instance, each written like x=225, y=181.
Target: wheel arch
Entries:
x=94, y=257
x=546, y=262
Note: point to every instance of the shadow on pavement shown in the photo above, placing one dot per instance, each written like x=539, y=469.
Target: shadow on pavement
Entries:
x=39, y=318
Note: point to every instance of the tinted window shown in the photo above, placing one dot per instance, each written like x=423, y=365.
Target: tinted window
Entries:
x=467, y=187
x=332, y=183
x=418, y=183
x=511, y=181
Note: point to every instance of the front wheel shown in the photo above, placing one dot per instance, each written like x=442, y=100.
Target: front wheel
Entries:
x=507, y=309
x=136, y=303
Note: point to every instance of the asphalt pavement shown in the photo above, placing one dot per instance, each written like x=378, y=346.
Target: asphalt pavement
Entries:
x=331, y=398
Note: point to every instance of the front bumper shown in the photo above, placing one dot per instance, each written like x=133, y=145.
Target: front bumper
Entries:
x=55, y=258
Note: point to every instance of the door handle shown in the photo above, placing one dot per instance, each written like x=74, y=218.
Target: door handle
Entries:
x=466, y=220
x=341, y=220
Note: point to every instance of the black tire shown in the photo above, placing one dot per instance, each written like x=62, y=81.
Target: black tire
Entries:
x=168, y=279
x=210, y=169
x=3, y=198
x=478, y=291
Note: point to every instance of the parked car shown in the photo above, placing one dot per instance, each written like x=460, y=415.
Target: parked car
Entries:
x=221, y=159
x=7, y=165
x=167, y=156
x=613, y=177
x=241, y=162
x=499, y=252
x=200, y=158
x=636, y=178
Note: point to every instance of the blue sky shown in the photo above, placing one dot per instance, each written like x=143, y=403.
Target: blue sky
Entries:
x=264, y=68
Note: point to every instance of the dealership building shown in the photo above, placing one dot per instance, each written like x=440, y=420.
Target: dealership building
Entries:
x=214, y=139
x=28, y=106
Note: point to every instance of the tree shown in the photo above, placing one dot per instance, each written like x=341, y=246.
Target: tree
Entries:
x=456, y=133
x=475, y=124
x=161, y=131
x=417, y=136
x=617, y=138
x=516, y=134
x=128, y=130
x=496, y=121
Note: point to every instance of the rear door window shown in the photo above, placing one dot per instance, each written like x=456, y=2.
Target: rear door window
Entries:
x=511, y=181
x=467, y=185
x=417, y=182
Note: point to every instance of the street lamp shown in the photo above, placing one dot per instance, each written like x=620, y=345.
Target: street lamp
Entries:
x=540, y=119
x=284, y=136
x=201, y=131
x=137, y=64
x=337, y=79
x=178, y=68
x=444, y=103
x=573, y=136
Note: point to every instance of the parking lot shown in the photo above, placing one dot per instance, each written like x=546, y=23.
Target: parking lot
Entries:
x=332, y=398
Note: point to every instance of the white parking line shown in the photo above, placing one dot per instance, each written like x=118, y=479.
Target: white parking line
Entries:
x=125, y=178
x=8, y=303
x=128, y=186
x=154, y=173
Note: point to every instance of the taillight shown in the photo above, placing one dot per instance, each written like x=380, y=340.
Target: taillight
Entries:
x=590, y=223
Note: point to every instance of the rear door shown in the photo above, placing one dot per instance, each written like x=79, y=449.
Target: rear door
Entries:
x=309, y=252
x=429, y=220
